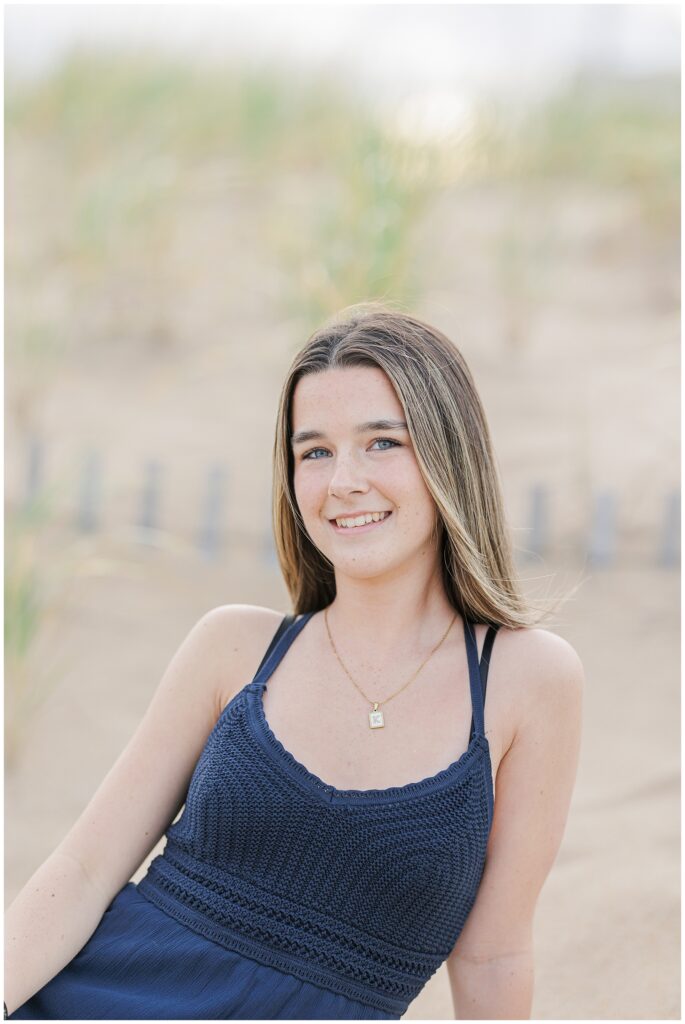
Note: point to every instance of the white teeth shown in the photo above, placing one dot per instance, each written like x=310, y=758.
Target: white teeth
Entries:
x=372, y=517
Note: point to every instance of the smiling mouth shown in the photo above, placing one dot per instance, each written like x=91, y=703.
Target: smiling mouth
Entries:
x=364, y=528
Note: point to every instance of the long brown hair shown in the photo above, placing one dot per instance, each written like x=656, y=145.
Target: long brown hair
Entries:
x=452, y=444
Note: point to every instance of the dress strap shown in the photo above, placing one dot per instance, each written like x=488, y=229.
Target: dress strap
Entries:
x=478, y=674
x=282, y=626
x=288, y=629
x=485, y=656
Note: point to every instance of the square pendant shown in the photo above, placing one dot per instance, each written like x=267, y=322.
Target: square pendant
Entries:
x=376, y=719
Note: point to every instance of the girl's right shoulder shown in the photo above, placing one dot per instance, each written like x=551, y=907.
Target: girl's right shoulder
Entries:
x=237, y=638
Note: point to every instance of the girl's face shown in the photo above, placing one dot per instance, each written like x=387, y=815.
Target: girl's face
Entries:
x=346, y=464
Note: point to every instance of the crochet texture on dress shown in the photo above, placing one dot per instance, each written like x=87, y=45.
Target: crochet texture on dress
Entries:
x=363, y=892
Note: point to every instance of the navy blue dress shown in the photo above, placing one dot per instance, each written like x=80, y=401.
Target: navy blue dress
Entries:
x=278, y=896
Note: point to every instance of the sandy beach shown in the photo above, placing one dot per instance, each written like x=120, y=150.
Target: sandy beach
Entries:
x=607, y=925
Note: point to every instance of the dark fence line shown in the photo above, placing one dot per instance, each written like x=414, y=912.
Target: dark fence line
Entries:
x=601, y=542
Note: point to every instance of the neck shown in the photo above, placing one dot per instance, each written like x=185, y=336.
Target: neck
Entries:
x=389, y=620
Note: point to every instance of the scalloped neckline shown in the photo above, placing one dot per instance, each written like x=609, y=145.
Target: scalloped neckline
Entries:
x=478, y=748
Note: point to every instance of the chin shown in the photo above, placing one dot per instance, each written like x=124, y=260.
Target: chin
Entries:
x=367, y=565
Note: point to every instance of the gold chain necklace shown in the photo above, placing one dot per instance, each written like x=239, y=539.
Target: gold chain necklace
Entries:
x=376, y=720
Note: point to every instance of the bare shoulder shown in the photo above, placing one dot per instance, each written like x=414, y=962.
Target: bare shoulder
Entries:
x=541, y=668
x=238, y=617
x=539, y=678
x=538, y=652
x=238, y=635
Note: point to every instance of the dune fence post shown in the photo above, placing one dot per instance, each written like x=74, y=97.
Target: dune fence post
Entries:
x=539, y=521
x=90, y=493
x=269, y=549
x=148, y=518
x=669, y=548
x=212, y=515
x=602, y=542
x=34, y=472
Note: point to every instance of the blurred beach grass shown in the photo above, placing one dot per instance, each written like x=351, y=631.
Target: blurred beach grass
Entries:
x=128, y=134
x=105, y=151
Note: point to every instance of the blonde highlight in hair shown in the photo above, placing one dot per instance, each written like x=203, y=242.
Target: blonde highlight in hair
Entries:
x=453, y=448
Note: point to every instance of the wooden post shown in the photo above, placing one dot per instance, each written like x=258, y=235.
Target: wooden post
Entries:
x=669, y=553
x=539, y=513
x=209, y=536
x=150, y=500
x=90, y=493
x=602, y=545
x=35, y=471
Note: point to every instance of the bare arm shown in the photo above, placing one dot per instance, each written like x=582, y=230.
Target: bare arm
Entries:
x=49, y=921
x=498, y=989
x=491, y=967
x=60, y=907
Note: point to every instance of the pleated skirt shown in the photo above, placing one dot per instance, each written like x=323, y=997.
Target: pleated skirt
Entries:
x=140, y=963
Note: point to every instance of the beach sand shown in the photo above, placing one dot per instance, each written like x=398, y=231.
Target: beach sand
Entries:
x=607, y=925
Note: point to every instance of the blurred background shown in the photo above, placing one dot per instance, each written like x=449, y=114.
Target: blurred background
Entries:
x=189, y=191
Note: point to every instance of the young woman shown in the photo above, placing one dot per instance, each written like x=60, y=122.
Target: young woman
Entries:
x=355, y=813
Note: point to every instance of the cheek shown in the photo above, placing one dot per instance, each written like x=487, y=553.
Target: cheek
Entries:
x=420, y=498
x=307, y=487
x=410, y=483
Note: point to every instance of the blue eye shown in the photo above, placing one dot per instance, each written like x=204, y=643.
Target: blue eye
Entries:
x=379, y=440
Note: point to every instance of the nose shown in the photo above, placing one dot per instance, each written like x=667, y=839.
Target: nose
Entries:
x=347, y=478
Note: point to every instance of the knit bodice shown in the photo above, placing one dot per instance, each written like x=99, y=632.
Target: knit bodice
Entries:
x=363, y=892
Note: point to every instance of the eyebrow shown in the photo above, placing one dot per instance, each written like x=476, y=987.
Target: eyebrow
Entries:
x=362, y=428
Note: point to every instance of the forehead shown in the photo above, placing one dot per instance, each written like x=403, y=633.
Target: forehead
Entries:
x=346, y=393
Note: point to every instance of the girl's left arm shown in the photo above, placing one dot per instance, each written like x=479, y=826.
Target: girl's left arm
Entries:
x=491, y=968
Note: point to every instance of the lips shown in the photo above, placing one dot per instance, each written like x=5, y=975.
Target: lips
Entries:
x=362, y=512
x=359, y=529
